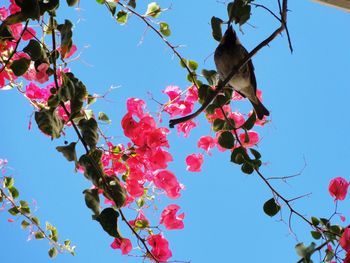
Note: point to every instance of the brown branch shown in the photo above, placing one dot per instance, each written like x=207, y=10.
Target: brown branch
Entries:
x=17, y=44
x=88, y=151
x=234, y=71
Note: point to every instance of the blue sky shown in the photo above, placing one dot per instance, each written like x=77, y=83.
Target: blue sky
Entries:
x=307, y=93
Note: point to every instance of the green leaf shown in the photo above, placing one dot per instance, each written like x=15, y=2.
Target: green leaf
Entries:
x=72, y=2
x=109, y=221
x=20, y=66
x=49, y=123
x=300, y=249
x=14, y=192
x=92, y=200
x=247, y=168
x=112, y=7
x=256, y=154
x=216, y=28
x=153, y=10
x=239, y=155
x=88, y=130
x=24, y=224
x=68, y=151
x=52, y=252
x=66, y=37
x=249, y=123
x=29, y=8
x=271, y=208
x=132, y=3
x=315, y=221
x=193, y=65
x=141, y=224
x=122, y=17
x=92, y=166
x=115, y=191
x=101, y=1
x=226, y=140
x=35, y=220
x=13, y=211
x=103, y=117
x=34, y=50
x=218, y=125
x=164, y=29
x=53, y=101
x=39, y=235
x=316, y=235
x=239, y=11
x=8, y=181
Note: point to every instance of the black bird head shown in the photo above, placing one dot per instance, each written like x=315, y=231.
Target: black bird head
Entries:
x=229, y=37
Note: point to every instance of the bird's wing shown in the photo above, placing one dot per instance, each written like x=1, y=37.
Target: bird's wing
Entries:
x=252, y=74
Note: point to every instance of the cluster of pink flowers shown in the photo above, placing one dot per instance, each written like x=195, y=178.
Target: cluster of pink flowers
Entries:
x=181, y=105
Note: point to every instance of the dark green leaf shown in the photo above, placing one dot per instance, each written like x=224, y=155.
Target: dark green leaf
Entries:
x=153, y=10
x=226, y=140
x=20, y=66
x=216, y=28
x=218, y=125
x=109, y=221
x=316, y=235
x=164, y=29
x=68, y=151
x=271, y=208
x=88, y=129
x=315, y=221
x=112, y=7
x=122, y=17
x=66, y=37
x=239, y=155
x=92, y=200
x=115, y=191
x=239, y=11
x=249, y=123
x=34, y=50
x=49, y=123
x=29, y=8
x=14, y=192
x=92, y=166
x=101, y=1
x=52, y=252
x=53, y=101
x=35, y=220
x=247, y=168
x=256, y=154
x=72, y=2
x=132, y=3
x=13, y=211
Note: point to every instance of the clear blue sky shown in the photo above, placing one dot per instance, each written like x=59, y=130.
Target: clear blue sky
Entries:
x=307, y=94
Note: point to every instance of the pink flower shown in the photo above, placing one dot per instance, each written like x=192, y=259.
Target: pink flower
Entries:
x=168, y=182
x=140, y=217
x=194, y=162
x=41, y=75
x=169, y=218
x=344, y=241
x=206, y=143
x=135, y=107
x=186, y=127
x=134, y=187
x=338, y=188
x=34, y=92
x=253, y=139
x=28, y=34
x=160, y=247
x=123, y=244
x=173, y=92
x=192, y=94
x=72, y=50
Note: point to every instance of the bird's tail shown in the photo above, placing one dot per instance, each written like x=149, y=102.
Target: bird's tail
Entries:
x=260, y=109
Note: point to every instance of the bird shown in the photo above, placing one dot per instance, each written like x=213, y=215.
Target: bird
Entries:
x=228, y=54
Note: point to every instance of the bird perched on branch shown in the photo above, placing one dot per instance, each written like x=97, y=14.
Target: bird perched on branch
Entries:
x=228, y=55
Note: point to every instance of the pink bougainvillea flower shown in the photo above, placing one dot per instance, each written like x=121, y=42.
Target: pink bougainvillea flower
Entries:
x=13, y=7
x=3, y=13
x=237, y=96
x=167, y=181
x=237, y=118
x=253, y=138
x=28, y=34
x=338, y=188
x=206, y=143
x=72, y=50
x=135, y=107
x=123, y=244
x=34, y=92
x=186, y=127
x=41, y=75
x=342, y=218
x=140, y=217
x=194, y=162
x=192, y=94
x=160, y=247
x=169, y=218
x=344, y=241
x=173, y=92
